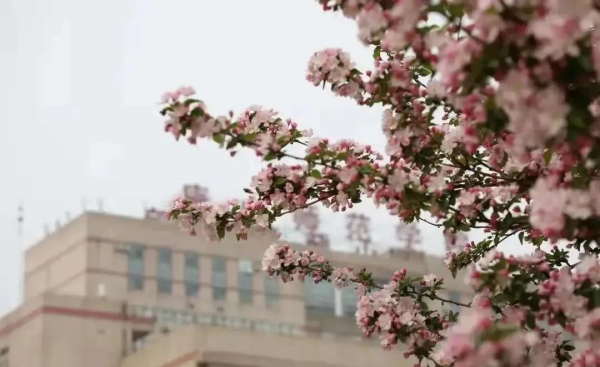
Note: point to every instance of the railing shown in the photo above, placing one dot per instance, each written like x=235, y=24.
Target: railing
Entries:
x=171, y=319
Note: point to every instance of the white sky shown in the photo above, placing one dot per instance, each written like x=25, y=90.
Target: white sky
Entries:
x=79, y=82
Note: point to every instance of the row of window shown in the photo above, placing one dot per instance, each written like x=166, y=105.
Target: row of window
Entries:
x=178, y=317
x=321, y=297
x=325, y=298
x=191, y=276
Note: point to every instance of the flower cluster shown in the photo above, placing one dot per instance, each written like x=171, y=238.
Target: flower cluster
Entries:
x=335, y=67
x=491, y=121
x=387, y=310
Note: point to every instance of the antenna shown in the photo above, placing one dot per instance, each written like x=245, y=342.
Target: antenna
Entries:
x=101, y=205
x=20, y=219
x=46, y=229
x=308, y=221
x=409, y=235
x=20, y=224
x=358, y=227
x=196, y=193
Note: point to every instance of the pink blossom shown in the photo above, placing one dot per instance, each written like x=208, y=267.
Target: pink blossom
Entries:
x=430, y=280
x=436, y=184
x=348, y=174
x=548, y=205
x=271, y=258
x=535, y=114
x=588, y=358
x=263, y=220
x=342, y=277
x=588, y=326
x=371, y=23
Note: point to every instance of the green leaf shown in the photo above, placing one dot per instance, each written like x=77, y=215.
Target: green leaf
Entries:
x=422, y=71
x=457, y=10
x=354, y=72
x=548, y=156
x=219, y=138
x=521, y=235
x=377, y=53
x=232, y=143
x=190, y=101
x=250, y=138
x=221, y=231
x=568, y=348
x=270, y=156
x=316, y=174
x=279, y=181
x=197, y=112
x=453, y=271
x=531, y=320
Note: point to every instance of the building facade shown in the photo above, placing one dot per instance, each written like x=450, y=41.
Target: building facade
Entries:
x=113, y=291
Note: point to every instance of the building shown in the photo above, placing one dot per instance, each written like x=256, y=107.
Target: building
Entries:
x=113, y=291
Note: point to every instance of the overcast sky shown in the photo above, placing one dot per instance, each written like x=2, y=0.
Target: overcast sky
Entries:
x=79, y=85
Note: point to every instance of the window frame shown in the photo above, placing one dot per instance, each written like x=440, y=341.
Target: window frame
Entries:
x=245, y=281
x=135, y=276
x=164, y=282
x=219, y=291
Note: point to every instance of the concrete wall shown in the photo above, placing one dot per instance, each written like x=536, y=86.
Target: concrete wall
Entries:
x=87, y=258
x=222, y=347
x=59, y=331
x=57, y=263
x=21, y=332
x=178, y=349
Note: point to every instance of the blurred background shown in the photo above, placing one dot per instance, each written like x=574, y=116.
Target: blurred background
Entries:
x=79, y=86
x=86, y=166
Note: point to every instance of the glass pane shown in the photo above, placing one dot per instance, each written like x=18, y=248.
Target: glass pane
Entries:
x=349, y=301
x=271, y=291
x=191, y=260
x=245, y=266
x=245, y=281
x=219, y=264
x=320, y=296
x=219, y=278
x=136, y=268
x=136, y=282
x=191, y=274
x=191, y=289
x=164, y=271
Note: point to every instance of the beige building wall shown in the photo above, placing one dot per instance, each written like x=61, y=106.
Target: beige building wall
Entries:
x=193, y=346
x=58, y=262
x=59, y=331
x=79, y=310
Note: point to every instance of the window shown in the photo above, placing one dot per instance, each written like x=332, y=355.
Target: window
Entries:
x=164, y=271
x=271, y=291
x=320, y=296
x=191, y=274
x=219, y=278
x=138, y=339
x=245, y=281
x=135, y=276
x=349, y=301
x=454, y=296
